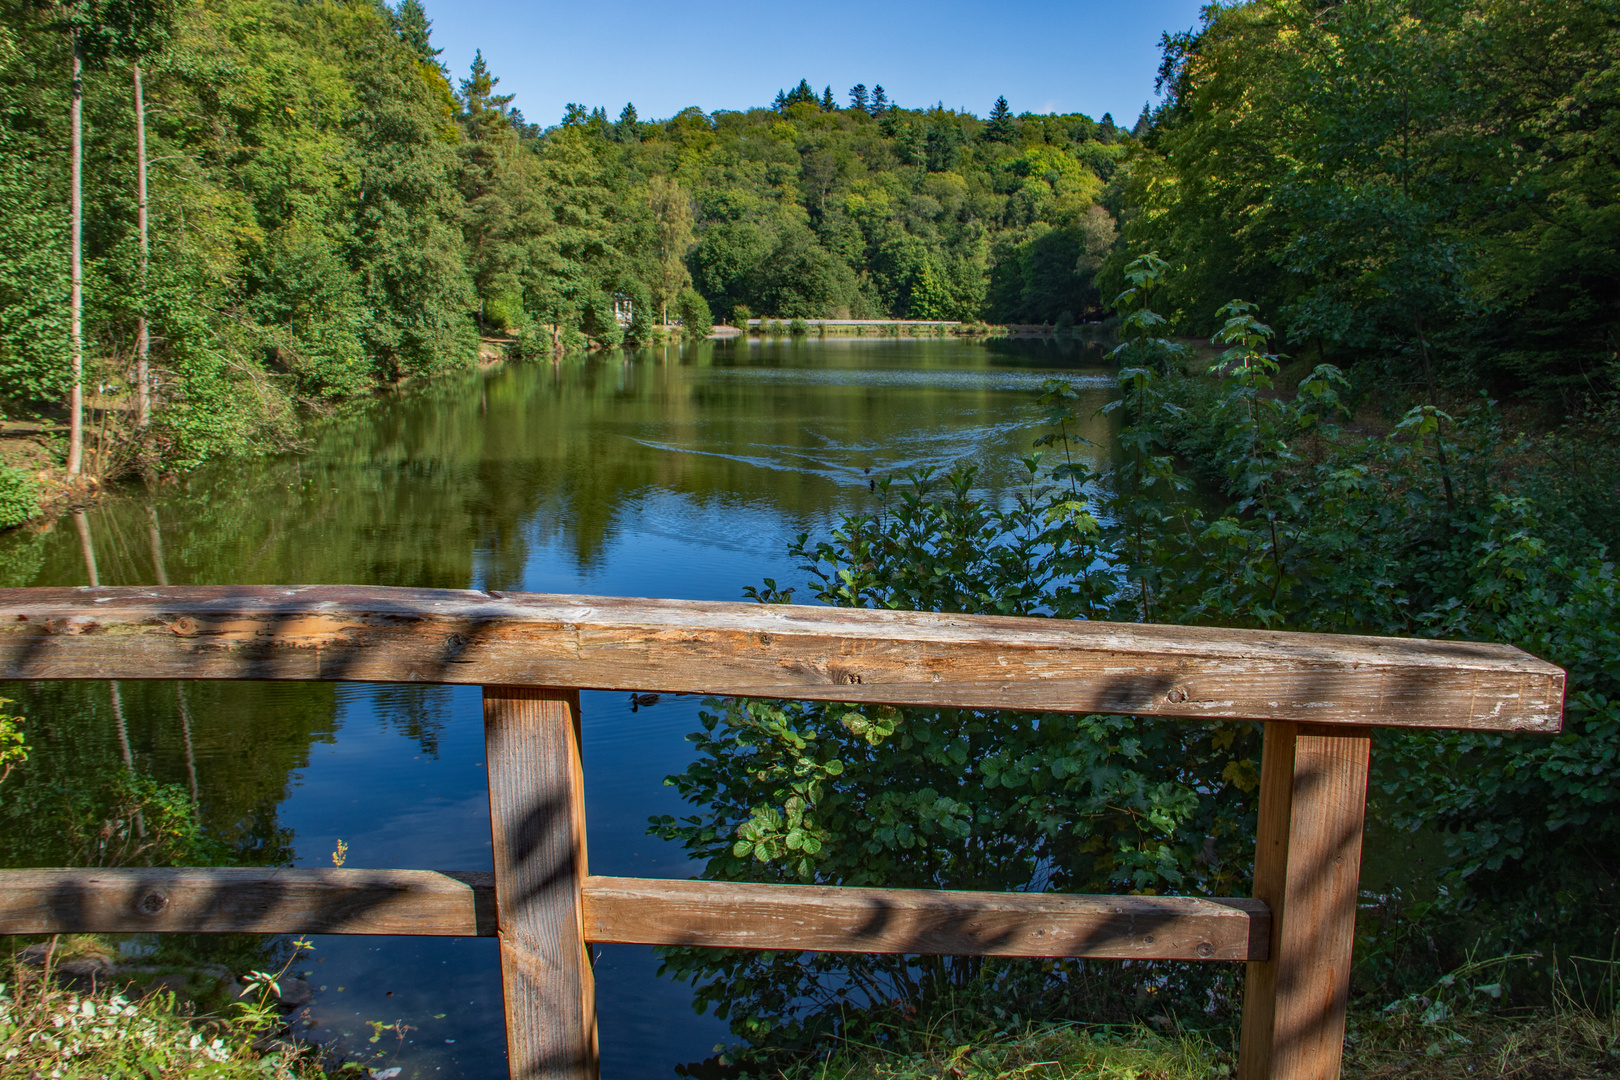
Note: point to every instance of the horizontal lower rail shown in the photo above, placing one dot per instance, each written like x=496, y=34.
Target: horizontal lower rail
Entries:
x=813, y=918
x=248, y=900
x=637, y=910
x=375, y=634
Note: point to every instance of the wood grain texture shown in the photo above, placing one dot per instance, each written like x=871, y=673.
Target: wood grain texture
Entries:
x=1313, y=796
x=228, y=900
x=823, y=919
x=346, y=633
x=644, y=911
x=537, y=820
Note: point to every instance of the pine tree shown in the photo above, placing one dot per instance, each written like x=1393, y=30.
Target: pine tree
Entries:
x=781, y=101
x=1144, y=123
x=880, y=101
x=1000, y=127
x=495, y=189
x=521, y=125
x=627, y=129
x=827, y=102
x=800, y=93
x=415, y=30
x=858, y=99
x=478, y=89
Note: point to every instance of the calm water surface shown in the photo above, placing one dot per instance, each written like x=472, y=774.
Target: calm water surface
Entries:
x=676, y=473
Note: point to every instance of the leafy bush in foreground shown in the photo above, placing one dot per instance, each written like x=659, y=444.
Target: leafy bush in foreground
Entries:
x=1444, y=527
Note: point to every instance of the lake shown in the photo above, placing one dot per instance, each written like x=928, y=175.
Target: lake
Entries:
x=677, y=472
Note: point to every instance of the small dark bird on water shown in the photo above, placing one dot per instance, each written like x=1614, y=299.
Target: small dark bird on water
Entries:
x=639, y=701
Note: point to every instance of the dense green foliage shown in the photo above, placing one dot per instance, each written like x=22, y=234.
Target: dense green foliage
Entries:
x=329, y=211
x=19, y=496
x=1418, y=189
x=1422, y=187
x=1474, y=533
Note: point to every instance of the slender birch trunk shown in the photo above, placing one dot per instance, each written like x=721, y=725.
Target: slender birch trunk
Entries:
x=76, y=299
x=143, y=342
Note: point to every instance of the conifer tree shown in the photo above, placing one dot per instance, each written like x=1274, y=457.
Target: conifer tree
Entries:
x=626, y=130
x=494, y=187
x=1144, y=123
x=880, y=101
x=800, y=93
x=415, y=29
x=827, y=102
x=1000, y=127
x=859, y=100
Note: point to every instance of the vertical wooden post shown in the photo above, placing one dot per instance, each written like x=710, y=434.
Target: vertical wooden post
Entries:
x=1313, y=799
x=537, y=817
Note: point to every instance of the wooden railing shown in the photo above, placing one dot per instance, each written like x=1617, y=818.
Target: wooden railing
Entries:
x=1317, y=694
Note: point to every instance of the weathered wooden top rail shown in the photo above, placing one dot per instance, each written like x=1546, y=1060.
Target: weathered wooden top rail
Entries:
x=1318, y=695
x=354, y=634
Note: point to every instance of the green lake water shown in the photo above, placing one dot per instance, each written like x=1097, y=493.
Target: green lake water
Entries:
x=677, y=472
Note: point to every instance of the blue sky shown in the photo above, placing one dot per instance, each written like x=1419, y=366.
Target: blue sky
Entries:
x=1091, y=56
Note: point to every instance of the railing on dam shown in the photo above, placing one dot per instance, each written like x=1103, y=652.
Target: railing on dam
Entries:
x=1318, y=696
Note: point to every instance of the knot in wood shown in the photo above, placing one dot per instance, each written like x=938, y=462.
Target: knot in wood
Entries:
x=72, y=625
x=454, y=641
x=764, y=639
x=185, y=626
x=1206, y=950
x=1176, y=696
x=152, y=903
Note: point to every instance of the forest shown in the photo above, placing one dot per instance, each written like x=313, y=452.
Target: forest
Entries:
x=331, y=209
x=327, y=208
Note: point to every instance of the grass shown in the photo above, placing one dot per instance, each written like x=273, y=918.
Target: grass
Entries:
x=53, y=1031
x=1041, y=1052
x=1455, y=1029
x=1562, y=1042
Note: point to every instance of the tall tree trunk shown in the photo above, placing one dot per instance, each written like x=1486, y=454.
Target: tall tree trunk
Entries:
x=76, y=299
x=143, y=343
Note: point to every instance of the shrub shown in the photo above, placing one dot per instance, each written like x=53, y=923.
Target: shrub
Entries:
x=798, y=327
x=696, y=321
x=49, y=1030
x=19, y=497
x=503, y=314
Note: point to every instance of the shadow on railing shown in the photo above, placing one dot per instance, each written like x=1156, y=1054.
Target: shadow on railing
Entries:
x=1317, y=694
